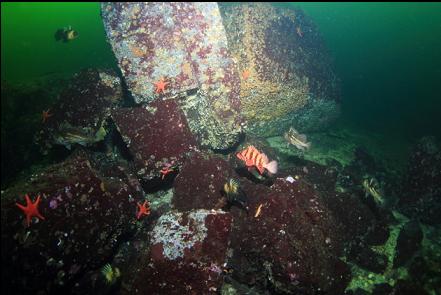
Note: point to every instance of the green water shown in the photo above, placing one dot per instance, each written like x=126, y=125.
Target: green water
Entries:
x=29, y=48
x=388, y=55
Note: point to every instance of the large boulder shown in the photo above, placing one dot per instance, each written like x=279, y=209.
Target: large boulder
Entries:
x=421, y=188
x=157, y=136
x=185, y=44
x=285, y=68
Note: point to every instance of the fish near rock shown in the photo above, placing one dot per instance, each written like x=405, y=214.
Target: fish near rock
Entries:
x=293, y=137
x=66, y=34
x=235, y=195
x=372, y=187
x=252, y=157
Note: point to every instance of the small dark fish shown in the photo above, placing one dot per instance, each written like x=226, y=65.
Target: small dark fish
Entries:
x=65, y=34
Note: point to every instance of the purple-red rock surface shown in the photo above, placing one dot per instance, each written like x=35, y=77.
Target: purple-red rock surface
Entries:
x=85, y=215
x=80, y=113
x=200, y=182
x=157, y=136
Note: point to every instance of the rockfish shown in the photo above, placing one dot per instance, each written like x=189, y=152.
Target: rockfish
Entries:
x=252, y=157
x=298, y=140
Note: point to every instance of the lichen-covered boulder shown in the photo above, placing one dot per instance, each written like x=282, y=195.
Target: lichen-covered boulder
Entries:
x=184, y=44
x=187, y=254
x=83, y=216
x=80, y=114
x=285, y=70
x=421, y=187
x=157, y=136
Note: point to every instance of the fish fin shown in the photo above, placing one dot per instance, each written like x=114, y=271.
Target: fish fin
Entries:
x=272, y=167
x=293, y=130
x=300, y=147
x=308, y=145
x=302, y=137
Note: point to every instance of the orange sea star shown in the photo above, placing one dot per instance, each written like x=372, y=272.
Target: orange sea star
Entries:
x=45, y=115
x=31, y=209
x=160, y=85
x=246, y=74
x=144, y=209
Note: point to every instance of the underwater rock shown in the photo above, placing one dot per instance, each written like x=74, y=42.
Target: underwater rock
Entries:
x=21, y=108
x=421, y=187
x=353, y=214
x=79, y=115
x=187, y=255
x=183, y=44
x=408, y=243
x=85, y=216
x=200, y=182
x=286, y=74
x=289, y=238
x=157, y=136
x=366, y=258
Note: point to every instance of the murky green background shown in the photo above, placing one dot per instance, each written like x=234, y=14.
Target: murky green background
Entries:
x=388, y=55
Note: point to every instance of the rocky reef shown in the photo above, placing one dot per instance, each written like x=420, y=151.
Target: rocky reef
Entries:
x=146, y=199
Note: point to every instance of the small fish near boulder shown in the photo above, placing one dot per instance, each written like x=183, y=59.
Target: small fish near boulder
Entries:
x=71, y=222
x=79, y=116
x=200, y=182
x=66, y=34
x=296, y=139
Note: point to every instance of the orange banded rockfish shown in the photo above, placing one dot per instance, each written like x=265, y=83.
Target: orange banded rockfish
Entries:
x=252, y=157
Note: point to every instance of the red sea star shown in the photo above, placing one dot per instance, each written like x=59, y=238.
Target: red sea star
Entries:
x=144, y=209
x=164, y=171
x=246, y=74
x=46, y=115
x=31, y=209
x=160, y=85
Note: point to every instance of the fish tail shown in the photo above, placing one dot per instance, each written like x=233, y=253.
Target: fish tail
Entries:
x=272, y=167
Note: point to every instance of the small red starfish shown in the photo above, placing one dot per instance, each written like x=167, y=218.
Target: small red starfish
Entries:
x=45, y=115
x=31, y=209
x=164, y=171
x=144, y=209
x=160, y=85
x=246, y=74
